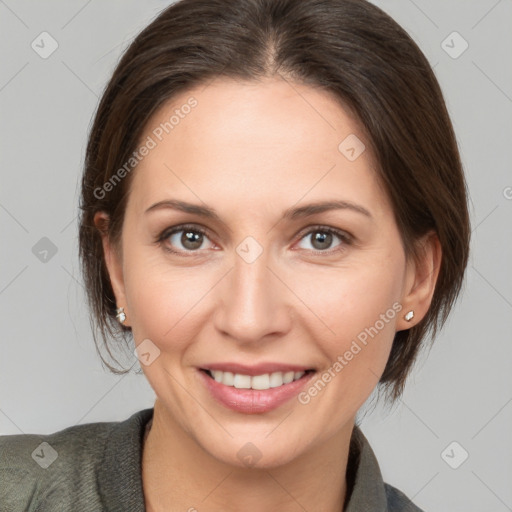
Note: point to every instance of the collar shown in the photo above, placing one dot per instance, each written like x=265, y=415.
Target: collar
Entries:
x=120, y=474
x=366, y=490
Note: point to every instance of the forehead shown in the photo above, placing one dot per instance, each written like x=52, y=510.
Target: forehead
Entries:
x=258, y=141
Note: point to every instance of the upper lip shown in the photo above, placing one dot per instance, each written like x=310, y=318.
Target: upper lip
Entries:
x=256, y=369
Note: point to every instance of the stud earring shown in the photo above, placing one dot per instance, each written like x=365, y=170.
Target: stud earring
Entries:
x=120, y=315
x=409, y=316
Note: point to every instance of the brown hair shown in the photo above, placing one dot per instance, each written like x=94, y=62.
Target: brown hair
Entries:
x=349, y=48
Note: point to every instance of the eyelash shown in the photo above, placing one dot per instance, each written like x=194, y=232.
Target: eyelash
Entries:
x=343, y=236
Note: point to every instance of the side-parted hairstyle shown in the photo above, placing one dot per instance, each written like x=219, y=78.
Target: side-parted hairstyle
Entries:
x=349, y=48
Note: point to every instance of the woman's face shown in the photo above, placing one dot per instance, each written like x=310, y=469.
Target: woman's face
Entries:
x=259, y=286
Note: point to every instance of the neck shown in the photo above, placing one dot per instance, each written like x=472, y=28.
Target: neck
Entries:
x=179, y=475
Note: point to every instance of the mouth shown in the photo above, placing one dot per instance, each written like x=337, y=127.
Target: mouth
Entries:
x=260, y=382
x=255, y=388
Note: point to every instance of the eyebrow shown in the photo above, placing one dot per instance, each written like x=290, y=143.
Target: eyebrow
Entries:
x=320, y=207
x=290, y=214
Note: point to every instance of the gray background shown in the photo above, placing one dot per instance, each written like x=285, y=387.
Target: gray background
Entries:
x=50, y=375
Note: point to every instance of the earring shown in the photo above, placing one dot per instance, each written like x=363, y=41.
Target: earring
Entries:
x=120, y=315
x=409, y=316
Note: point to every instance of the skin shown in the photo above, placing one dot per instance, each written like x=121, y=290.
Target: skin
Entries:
x=251, y=151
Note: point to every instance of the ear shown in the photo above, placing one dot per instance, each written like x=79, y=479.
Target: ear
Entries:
x=421, y=278
x=113, y=261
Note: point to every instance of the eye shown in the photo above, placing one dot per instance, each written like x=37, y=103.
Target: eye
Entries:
x=190, y=237
x=322, y=238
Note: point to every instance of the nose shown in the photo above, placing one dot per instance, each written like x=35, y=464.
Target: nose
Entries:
x=254, y=301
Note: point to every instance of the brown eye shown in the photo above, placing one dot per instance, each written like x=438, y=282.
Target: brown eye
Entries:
x=322, y=239
x=181, y=239
x=191, y=240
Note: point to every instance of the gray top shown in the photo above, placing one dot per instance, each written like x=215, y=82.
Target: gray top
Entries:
x=97, y=467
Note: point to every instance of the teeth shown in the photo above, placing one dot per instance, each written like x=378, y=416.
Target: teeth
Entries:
x=228, y=378
x=260, y=382
x=288, y=377
x=276, y=380
x=242, y=381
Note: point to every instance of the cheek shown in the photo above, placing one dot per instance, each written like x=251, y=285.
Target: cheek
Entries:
x=169, y=302
x=361, y=310
x=164, y=299
x=360, y=306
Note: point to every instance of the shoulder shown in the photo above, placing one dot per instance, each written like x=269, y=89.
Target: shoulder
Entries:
x=398, y=501
x=368, y=491
x=33, y=466
x=54, y=470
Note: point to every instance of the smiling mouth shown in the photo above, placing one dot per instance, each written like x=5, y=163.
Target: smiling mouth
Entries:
x=258, y=382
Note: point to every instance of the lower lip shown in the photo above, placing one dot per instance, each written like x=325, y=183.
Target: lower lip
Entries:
x=253, y=401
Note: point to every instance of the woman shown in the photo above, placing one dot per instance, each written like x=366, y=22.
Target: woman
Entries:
x=274, y=211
